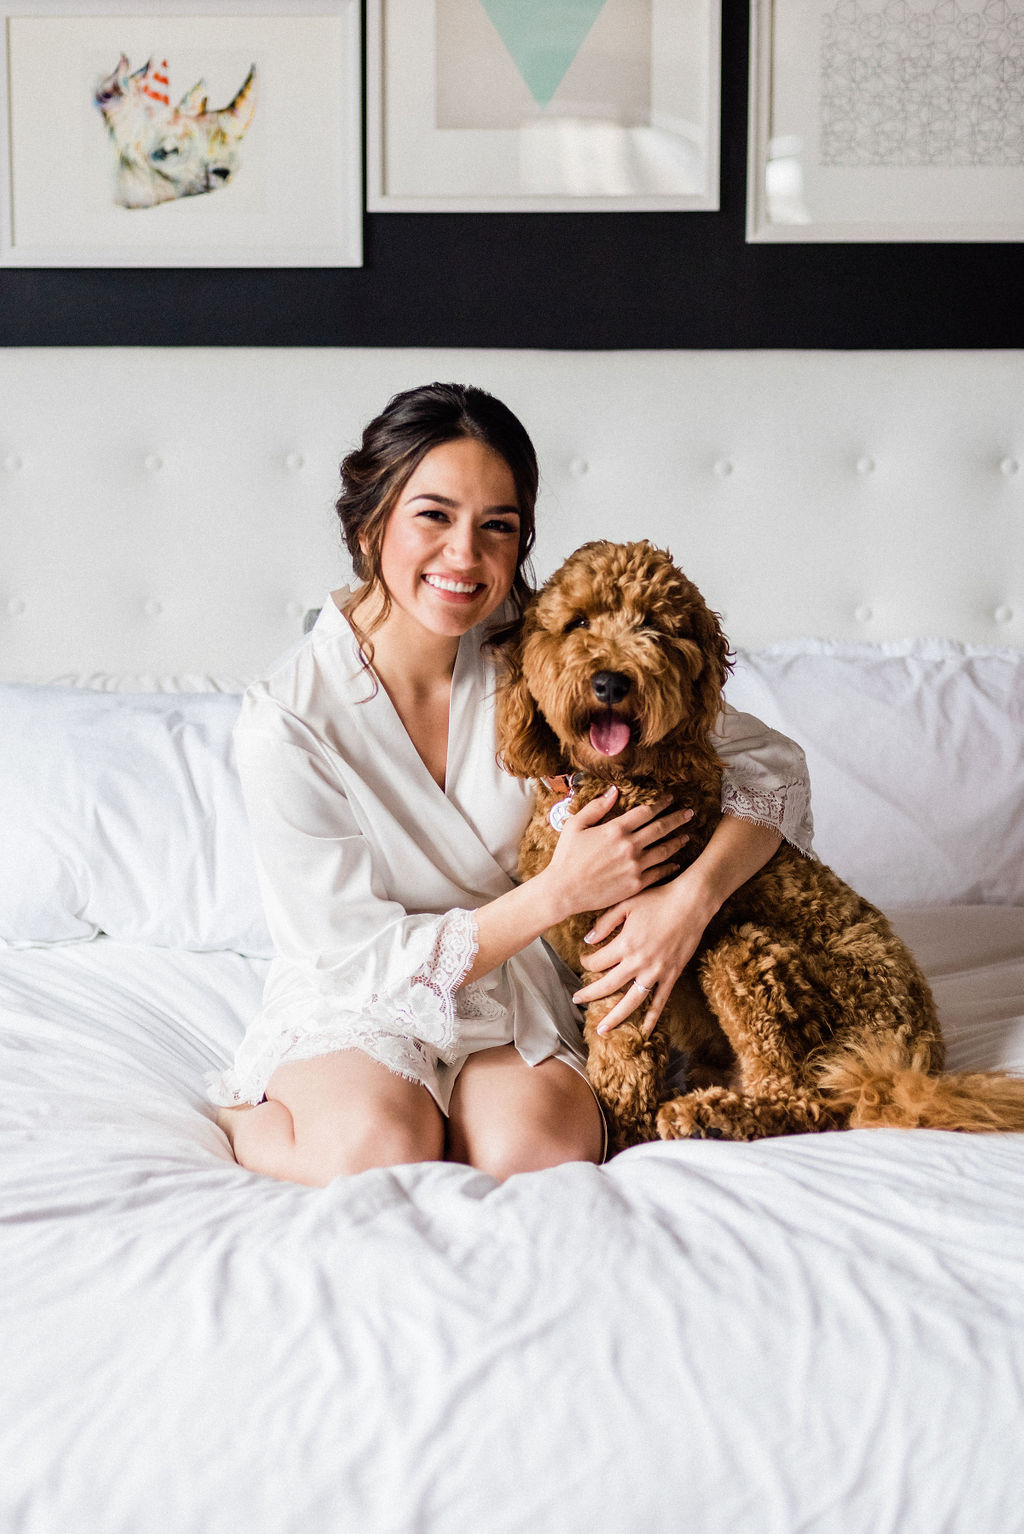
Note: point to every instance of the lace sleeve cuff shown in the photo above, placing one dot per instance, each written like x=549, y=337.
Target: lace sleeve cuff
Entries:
x=438, y=1001
x=785, y=807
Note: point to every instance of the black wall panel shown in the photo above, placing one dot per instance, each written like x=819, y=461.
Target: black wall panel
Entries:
x=554, y=280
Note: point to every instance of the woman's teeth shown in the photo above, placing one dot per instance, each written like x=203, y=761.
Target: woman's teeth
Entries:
x=464, y=588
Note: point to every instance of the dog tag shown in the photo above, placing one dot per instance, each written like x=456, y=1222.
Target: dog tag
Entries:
x=559, y=813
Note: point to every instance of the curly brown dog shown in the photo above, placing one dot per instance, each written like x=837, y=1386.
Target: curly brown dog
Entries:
x=801, y=1010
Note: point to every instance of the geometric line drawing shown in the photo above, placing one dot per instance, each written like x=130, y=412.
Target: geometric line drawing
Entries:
x=922, y=82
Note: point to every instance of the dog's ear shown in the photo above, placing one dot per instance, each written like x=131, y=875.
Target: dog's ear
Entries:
x=708, y=661
x=717, y=665
x=527, y=745
x=718, y=659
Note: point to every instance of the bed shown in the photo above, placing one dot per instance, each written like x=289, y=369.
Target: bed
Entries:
x=798, y=1336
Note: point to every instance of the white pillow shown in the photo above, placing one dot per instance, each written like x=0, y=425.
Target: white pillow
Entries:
x=150, y=681
x=916, y=757
x=123, y=814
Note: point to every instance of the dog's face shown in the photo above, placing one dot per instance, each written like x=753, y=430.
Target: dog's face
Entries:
x=620, y=663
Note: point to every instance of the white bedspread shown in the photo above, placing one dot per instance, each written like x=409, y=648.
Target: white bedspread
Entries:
x=821, y=1334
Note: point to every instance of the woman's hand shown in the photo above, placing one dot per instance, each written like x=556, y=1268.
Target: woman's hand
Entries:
x=657, y=931
x=600, y=862
x=656, y=936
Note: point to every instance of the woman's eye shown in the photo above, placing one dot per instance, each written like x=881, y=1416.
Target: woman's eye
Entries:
x=579, y=622
x=434, y=513
x=498, y=526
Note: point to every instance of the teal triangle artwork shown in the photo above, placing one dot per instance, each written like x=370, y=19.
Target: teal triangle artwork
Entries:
x=543, y=37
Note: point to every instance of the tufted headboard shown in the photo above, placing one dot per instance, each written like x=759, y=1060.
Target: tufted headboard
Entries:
x=169, y=512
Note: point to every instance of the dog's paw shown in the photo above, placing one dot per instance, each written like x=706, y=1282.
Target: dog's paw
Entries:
x=698, y=1116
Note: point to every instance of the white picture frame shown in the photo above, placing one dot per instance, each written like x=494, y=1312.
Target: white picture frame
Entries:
x=876, y=122
x=460, y=119
x=116, y=182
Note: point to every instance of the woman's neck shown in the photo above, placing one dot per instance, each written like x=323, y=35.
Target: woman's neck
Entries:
x=406, y=658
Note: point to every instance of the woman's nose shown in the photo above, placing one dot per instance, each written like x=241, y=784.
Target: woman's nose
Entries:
x=463, y=545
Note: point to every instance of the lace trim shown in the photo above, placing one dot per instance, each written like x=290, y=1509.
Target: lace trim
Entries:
x=400, y=1054
x=779, y=809
x=401, y=1035
x=451, y=959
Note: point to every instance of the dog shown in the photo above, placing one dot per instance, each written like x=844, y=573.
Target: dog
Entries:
x=801, y=1010
x=163, y=152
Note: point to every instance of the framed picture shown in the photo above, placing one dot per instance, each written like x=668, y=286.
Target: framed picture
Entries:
x=542, y=105
x=886, y=120
x=143, y=133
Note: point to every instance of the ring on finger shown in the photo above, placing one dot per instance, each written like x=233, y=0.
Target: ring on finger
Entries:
x=647, y=989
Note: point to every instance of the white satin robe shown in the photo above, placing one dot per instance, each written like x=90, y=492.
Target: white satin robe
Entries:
x=370, y=873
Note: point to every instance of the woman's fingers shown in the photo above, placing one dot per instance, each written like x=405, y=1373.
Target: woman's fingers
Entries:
x=595, y=809
x=635, y=996
x=654, y=832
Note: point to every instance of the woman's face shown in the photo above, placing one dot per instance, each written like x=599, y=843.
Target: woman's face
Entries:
x=450, y=546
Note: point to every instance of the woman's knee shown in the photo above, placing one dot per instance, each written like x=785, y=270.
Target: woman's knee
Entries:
x=361, y=1140
x=509, y=1117
x=514, y=1145
x=315, y=1151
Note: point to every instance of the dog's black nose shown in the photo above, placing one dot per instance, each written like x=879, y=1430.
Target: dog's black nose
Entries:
x=610, y=687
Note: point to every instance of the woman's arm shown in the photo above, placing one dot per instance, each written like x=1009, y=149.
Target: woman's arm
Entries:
x=361, y=950
x=765, y=777
x=658, y=930
x=596, y=863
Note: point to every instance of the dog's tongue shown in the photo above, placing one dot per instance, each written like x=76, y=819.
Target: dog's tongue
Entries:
x=609, y=734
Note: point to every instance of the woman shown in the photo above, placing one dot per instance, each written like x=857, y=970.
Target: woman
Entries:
x=412, y=1012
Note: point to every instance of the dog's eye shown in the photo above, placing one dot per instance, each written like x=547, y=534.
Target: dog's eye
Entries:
x=579, y=622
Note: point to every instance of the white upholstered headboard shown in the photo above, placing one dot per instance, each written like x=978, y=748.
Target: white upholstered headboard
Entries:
x=170, y=511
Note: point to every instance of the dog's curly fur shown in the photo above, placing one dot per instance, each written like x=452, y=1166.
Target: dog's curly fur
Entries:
x=801, y=1010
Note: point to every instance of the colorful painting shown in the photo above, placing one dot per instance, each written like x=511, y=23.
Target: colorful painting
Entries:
x=224, y=139
x=161, y=151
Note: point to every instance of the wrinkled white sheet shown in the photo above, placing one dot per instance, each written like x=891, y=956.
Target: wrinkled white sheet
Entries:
x=816, y=1334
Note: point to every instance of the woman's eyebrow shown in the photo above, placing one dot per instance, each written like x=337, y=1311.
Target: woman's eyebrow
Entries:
x=444, y=500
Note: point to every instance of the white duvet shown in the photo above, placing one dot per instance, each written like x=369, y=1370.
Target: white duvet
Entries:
x=817, y=1335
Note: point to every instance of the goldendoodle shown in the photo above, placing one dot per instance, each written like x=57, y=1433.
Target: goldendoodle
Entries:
x=801, y=1009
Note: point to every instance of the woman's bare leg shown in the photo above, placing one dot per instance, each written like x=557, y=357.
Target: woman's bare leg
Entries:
x=506, y=1116
x=334, y=1114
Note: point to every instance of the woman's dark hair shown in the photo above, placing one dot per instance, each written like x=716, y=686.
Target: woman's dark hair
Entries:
x=374, y=474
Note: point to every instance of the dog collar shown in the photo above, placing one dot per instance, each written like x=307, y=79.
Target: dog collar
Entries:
x=565, y=783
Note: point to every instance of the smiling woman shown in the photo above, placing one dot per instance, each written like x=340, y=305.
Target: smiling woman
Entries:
x=413, y=1012
x=450, y=548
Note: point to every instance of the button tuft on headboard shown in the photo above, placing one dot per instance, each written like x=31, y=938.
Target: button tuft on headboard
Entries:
x=1008, y=466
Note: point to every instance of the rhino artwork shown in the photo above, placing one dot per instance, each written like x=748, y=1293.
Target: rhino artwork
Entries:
x=166, y=152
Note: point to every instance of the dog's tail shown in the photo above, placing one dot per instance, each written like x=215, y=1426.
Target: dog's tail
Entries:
x=882, y=1082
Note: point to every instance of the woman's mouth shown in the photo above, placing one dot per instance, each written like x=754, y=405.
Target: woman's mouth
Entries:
x=452, y=590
